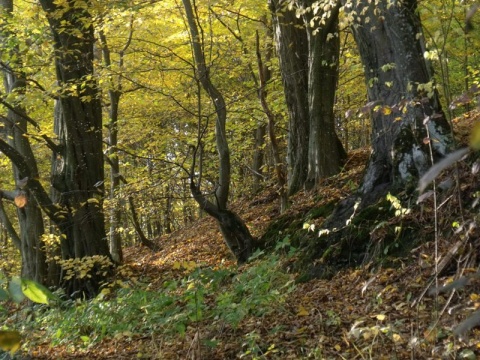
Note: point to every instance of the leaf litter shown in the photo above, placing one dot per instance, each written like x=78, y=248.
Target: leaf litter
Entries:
x=371, y=312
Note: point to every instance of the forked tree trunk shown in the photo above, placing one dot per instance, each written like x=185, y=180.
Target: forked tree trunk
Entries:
x=234, y=230
x=309, y=67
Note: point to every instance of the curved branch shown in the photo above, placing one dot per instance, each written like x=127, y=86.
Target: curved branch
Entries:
x=33, y=183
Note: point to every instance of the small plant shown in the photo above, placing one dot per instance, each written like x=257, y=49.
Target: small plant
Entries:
x=17, y=290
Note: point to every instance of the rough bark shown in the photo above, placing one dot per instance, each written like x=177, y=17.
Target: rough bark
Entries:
x=407, y=119
x=309, y=67
x=326, y=154
x=82, y=175
x=292, y=49
x=391, y=48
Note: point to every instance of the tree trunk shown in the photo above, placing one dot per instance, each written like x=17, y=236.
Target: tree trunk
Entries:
x=234, y=230
x=309, y=66
x=114, y=94
x=400, y=84
x=81, y=152
x=406, y=114
x=326, y=154
x=292, y=49
x=258, y=156
x=30, y=217
x=264, y=76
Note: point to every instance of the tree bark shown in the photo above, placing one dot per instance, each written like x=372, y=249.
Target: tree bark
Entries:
x=309, y=66
x=400, y=83
x=234, y=230
x=264, y=76
x=407, y=120
x=30, y=218
x=114, y=94
x=292, y=49
x=82, y=176
x=326, y=154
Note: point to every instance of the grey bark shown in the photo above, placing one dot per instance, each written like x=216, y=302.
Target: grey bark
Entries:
x=406, y=120
x=309, y=66
x=232, y=227
x=264, y=76
x=392, y=48
x=292, y=49
x=82, y=176
x=326, y=154
x=30, y=219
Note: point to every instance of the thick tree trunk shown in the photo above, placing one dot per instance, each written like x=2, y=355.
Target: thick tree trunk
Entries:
x=400, y=85
x=326, y=154
x=82, y=176
x=309, y=66
x=292, y=49
x=407, y=121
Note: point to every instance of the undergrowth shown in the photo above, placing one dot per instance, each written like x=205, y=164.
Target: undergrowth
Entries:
x=223, y=296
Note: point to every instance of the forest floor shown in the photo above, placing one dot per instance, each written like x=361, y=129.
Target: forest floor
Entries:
x=368, y=312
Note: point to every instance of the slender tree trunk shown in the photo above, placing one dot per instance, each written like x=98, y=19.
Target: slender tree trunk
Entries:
x=114, y=94
x=258, y=156
x=265, y=75
x=234, y=230
x=29, y=216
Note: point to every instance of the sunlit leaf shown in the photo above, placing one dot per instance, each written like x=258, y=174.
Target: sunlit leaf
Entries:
x=386, y=110
x=302, y=311
x=36, y=292
x=475, y=137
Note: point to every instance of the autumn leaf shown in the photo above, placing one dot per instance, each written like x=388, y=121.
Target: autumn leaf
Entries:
x=301, y=311
x=386, y=110
x=475, y=137
x=20, y=200
x=10, y=340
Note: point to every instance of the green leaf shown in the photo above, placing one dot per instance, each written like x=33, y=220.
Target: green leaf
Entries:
x=36, y=292
x=3, y=295
x=15, y=289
